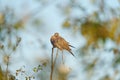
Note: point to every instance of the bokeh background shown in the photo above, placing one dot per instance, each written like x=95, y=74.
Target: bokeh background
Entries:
x=91, y=26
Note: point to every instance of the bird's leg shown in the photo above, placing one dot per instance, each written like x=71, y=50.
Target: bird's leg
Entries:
x=62, y=57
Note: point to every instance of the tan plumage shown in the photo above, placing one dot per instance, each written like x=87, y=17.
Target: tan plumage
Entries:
x=60, y=43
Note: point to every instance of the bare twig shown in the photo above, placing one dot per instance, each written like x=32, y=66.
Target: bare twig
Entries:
x=55, y=58
x=53, y=63
x=7, y=72
x=52, y=66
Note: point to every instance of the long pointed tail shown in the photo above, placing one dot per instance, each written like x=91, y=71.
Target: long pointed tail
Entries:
x=71, y=46
x=72, y=53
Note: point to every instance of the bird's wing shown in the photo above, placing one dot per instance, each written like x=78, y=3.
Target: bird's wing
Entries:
x=63, y=43
x=53, y=41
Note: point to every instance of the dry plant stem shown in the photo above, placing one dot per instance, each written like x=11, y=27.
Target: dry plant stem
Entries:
x=52, y=66
x=7, y=71
x=62, y=57
x=56, y=57
x=53, y=63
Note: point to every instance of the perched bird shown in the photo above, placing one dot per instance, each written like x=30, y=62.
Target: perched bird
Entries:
x=58, y=42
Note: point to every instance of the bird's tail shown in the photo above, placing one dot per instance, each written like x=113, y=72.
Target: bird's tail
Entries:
x=71, y=46
x=72, y=53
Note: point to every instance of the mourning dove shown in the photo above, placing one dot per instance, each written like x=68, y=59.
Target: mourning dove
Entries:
x=58, y=42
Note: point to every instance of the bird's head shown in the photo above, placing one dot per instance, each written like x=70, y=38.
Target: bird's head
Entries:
x=56, y=34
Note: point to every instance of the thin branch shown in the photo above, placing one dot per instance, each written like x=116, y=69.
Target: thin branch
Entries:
x=55, y=58
x=7, y=75
x=52, y=66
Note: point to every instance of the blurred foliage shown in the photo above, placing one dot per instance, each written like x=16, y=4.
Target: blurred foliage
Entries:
x=8, y=46
x=6, y=56
x=97, y=28
x=116, y=61
x=37, y=22
x=4, y=76
x=36, y=69
x=10, y=25
x=66, y=24
x=93, y=32
x=23, y=73
x=106, y=78
x=93, y=27
x=90, y=66
x=8, y=19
